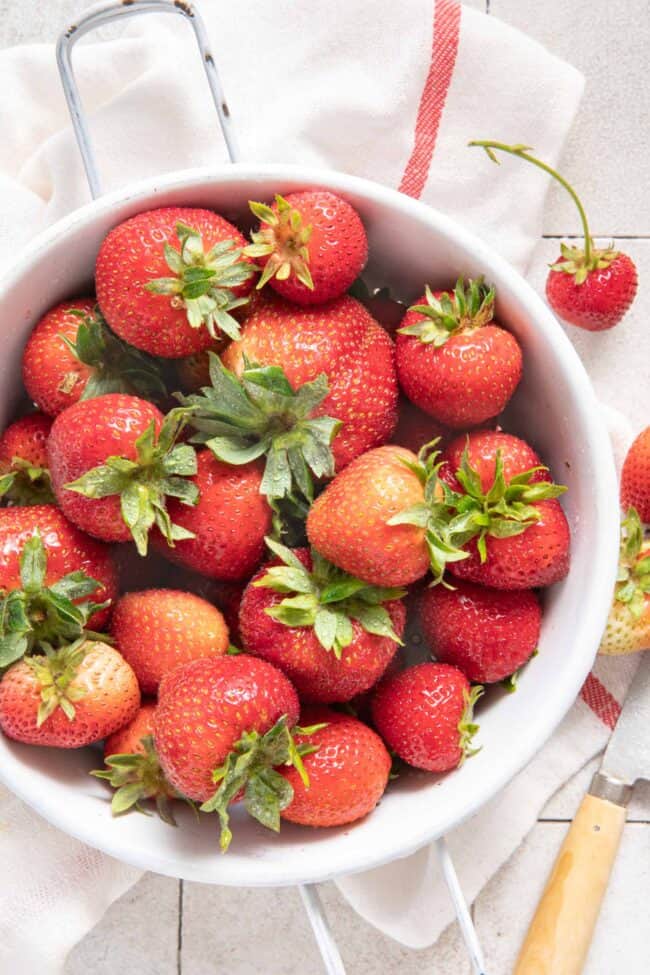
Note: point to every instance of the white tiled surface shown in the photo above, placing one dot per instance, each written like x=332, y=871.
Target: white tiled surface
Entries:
x=164, y=928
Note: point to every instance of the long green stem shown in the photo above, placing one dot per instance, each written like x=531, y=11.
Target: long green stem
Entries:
x=521, y=152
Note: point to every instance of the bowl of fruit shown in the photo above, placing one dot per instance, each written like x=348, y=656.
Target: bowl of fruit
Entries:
x=297, y=474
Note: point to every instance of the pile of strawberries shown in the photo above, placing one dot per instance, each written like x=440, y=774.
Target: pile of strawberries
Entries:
x=285, y=480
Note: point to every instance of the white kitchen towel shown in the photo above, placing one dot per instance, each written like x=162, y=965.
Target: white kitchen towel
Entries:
x=388, y=91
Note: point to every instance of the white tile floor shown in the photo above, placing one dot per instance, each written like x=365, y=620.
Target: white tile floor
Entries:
x=164, y=928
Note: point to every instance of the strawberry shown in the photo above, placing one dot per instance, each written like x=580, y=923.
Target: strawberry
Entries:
x=482, y=447
x=348, y=773
x=311, y=245
x=333, y=637
x=193, y=372
x=587, y=286
x=24, y=477
x=114, y=461
x=453, y=361
x=226, y=527
x=67, y=550
x=628, y=625
x=221, y=725
x=424, y=714
x=127, y=740
x=68, y=698
x=72, y=355
x=415, y=428
x=349, y=523
x=159, y=629
x=168, y=279
x=486, y=633
x=635, y=476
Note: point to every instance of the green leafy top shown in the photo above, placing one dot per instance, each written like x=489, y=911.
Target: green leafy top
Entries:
x=327, y=599
x=633, y=580
x=468, y=307
x=203, y=283
x=37, y=615
x=283, y=239
x=251, y=767
x=55, y=671
x=137, y=777
x=467, y=727
x=117, y=366
x=261, y=414
x=23, y=484
x=161, y=471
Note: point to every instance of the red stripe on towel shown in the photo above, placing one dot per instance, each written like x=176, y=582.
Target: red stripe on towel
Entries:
x=602, y=703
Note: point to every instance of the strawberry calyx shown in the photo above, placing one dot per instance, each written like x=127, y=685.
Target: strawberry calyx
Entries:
x=251, y=769
x=467, y=727
x=38, y=615
x=283, y=239
x=576, y=262
x=633, y=579
x=161, y=470
x=468, y=307
x=137, y=777
x=327, y=599
x=25, y=484
x=259, y=414
x=203, y=283
x=55, y=671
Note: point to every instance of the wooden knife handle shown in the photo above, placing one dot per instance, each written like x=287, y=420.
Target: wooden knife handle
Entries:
x=559, y=936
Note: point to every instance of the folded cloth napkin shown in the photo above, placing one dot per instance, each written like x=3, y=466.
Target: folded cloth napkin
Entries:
x=355, y=87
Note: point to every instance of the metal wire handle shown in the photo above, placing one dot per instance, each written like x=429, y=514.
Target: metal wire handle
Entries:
x=105, y=13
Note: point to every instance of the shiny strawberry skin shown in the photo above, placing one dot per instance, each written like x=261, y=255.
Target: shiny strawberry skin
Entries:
x=203, y=709
x=600, y=301
x=67, y=549
x=635, y=476
x=47, y=360
x=342, y=340
x=229, y=521
x=132, y=255
x=486, y=633
x=111, y=700
x=83, y=437
x=482, y=446
x=156, y=630
x=128, y=739
x=415, y=428
x=347, y=522
x=26, y=438
x=417, y=713
x=314, y=671
x=347, y=775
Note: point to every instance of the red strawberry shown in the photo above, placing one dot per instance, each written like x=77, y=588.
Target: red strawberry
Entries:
x=415, y=428
x=214, y=712
x=628, y=625
x=333, y=637
x=349, y=522
x=424, y=714
x=486, y=633
x=68, y=698
x=66, y=548
x=453, y=361
x=168, y=279
x=348, y=773
x=24, y=477
x=311, y=245
x=127, y=740
x=587, y=286
x=159, y=629
x=228, y=523
x=193, y=372
x=114, y=461
x=635, y=476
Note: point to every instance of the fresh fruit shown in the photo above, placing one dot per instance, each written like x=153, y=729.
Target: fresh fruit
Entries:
x=193, y=372
x=158, y=629
x=482, y=447
x=486, y=633
x=348, y=773
x=332, y=635
x=24, y=477
x=415, y=428
x=67, y=551
x=68, y=698
x=628, y=625
x=167, y=280
x=424, y=714
x=635, y=476
x=221, y=726
x=311, y=245
x=226, y=527
x=453, y=360
x=587, y=286
x=114, y=462
x=349, y=522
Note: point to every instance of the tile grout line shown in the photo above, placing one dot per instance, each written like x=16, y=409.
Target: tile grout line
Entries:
x=179, y=933
x=579, y=236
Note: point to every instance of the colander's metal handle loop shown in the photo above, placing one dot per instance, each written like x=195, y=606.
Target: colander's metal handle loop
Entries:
x=105, y=13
